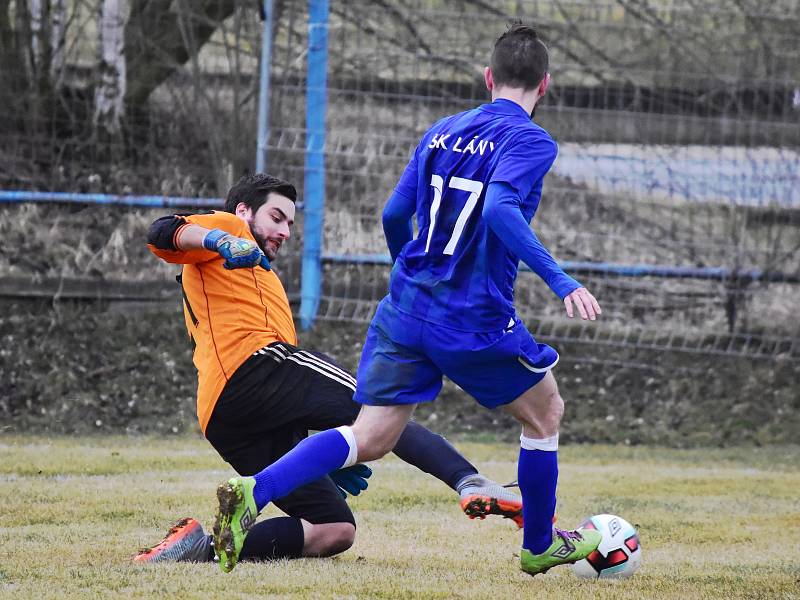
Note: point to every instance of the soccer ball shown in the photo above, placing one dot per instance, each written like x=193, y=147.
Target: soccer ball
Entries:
x=619, y=553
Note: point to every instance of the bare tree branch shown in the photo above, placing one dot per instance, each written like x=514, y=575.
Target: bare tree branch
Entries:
x=405, y=21
x=574, y=33
x=647, y=15
x=155, y=51
x=411, y=46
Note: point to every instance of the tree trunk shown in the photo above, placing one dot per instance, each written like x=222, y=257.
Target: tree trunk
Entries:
x=58, y=37
x=35, y=9
x=110, y=90
x=10, y=76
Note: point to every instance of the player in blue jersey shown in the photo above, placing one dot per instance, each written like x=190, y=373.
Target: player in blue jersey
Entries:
x=474, y=184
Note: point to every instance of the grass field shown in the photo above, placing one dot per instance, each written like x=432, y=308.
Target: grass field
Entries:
x=713, y=524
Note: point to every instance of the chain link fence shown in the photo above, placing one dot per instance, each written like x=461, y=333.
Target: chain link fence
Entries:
x=679, y=132
x=675, y=197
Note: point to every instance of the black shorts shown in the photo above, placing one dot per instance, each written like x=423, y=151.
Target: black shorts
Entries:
x=268, y=407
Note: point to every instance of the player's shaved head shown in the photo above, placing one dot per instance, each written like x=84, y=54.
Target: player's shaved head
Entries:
x=254, y=189
x=520, y=58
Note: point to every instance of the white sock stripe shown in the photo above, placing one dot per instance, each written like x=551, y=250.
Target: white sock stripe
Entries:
x=352, y=455
x=300, y=361
x=327, y=366
x=549, y=444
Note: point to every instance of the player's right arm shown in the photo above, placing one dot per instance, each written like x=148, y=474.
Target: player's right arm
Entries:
x=176, y=239
x=397, y=227
x=400, y=208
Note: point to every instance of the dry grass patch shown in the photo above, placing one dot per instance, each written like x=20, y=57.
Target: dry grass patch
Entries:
x=713, y=523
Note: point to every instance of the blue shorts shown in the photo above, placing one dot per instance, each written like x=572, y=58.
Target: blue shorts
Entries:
x=404, y=358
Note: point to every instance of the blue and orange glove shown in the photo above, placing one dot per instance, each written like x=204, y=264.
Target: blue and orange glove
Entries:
x=238, y=253
x=351, y=480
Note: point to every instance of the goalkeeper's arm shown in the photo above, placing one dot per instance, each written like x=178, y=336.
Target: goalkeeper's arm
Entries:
x=177, y=235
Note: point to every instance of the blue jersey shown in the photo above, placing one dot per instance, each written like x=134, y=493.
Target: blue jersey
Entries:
x=457, y=272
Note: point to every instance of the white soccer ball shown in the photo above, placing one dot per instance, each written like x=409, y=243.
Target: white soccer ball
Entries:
x=619, y=553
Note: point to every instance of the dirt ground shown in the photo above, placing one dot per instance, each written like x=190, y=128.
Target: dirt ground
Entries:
x=86, y=368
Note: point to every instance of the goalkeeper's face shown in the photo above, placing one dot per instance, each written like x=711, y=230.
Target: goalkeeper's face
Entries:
x=271, y=224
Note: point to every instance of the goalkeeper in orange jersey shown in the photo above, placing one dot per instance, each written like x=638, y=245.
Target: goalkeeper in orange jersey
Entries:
x=259, y=394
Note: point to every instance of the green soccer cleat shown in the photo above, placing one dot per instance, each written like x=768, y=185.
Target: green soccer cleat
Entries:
x=567, y=547
x=236, y=514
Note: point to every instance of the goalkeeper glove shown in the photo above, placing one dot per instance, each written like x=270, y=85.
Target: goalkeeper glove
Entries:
x=238, y=253
x=351, y=480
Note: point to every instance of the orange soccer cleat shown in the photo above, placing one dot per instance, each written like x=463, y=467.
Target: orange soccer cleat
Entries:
x=481, y=497
x=185, y=542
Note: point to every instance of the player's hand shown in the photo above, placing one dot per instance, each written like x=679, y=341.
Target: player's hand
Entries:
x=238, y=253
x=588, y=308
x=351, y=480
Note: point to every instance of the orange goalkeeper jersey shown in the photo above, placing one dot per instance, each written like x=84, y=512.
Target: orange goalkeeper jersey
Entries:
x=229, y=313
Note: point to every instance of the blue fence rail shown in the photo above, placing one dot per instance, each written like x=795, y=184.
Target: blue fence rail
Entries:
x=12, y=196
x=592, y=268
x=314, y=257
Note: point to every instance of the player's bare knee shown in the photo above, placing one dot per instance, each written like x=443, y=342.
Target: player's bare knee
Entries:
x=328, y=539
x=373, y=443
x=539, y=410
x=372, y=448
x=342, y=538
x=548, y=421
x=378, y=428
x=556, y=410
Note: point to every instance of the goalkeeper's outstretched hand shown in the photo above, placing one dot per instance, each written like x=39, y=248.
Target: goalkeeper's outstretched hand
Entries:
x=351, y=480
x=238, y=253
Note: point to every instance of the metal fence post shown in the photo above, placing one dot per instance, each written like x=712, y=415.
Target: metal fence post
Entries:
x=263, y=93
x=314, y=182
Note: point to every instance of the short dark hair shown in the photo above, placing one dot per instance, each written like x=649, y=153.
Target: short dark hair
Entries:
x=254, y=189
x=520, y=59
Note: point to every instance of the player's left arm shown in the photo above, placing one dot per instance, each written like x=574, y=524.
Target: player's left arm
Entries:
x=502, y=213
x=522, y=165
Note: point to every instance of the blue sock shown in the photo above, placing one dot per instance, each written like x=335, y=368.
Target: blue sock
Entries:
x=537, y=475
x=314, y=457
